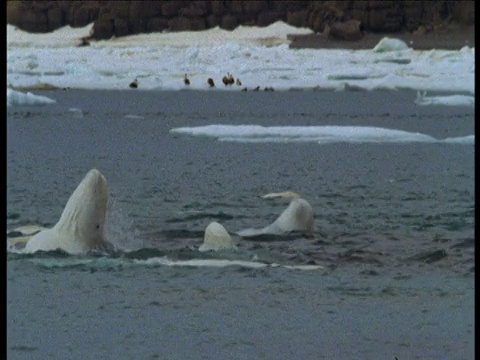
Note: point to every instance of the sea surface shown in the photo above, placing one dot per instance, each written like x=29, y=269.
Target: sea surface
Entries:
x=394, y=228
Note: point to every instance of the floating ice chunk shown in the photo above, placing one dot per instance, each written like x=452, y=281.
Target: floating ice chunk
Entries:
x=449, y=100
x=19, y=98
x=284, y=194
x=390, y=44
x=462, y=140
x=320, y=134
x=77, y=113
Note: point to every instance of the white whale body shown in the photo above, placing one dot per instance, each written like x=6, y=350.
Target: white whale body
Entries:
x=82, y=223
x=298, y=216
x=217, y=238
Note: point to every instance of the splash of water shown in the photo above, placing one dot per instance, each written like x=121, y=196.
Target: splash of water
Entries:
x=120, y=230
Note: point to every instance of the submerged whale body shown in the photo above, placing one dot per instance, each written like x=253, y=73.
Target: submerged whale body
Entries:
x=217, y=238
x=297, y=217
x=81, y=225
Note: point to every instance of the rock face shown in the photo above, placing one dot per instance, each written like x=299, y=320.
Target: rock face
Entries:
x=348, y=30
x=344, y=19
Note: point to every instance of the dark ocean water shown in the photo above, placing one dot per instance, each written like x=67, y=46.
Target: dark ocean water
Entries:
x=394, y=230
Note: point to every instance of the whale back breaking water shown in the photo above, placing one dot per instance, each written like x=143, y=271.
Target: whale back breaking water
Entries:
x=394, y=229
x=370, y=173
x=81, y=228
x=298, y=216
x=217, y=238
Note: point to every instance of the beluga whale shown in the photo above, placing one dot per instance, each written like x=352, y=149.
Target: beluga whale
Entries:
x=217, y=238
x=297, y=217
x=81, y=227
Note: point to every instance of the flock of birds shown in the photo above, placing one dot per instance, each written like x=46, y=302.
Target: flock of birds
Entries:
x=228, y=80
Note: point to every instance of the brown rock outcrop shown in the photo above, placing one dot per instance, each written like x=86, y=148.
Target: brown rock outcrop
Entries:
x=121, y=18
x=347, y=30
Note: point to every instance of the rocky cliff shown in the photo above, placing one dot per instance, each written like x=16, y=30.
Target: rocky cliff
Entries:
x=344, y=19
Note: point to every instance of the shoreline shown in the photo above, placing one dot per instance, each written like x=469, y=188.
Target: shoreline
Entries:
x=452, y=39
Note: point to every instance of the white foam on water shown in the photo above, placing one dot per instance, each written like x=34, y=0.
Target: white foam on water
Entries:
x=220, y=263
x=109, y=263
